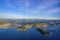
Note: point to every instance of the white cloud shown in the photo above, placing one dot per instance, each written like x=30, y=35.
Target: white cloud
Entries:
x=13, y=16
x=10, y=15
x=17, y=16
x=52, y=11
x=46, y=4
x=27, y=3
x=38, y=10
x=9, y=4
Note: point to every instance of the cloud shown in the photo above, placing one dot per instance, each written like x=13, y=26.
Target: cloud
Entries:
x=16, y=3
x=8, y=3
x=27, y=3
x=18, y=16
x=44, y=9
x=10, y=15
x=13, y=16
x=47, y=3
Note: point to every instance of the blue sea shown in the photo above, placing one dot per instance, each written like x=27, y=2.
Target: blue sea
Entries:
x=30, y=34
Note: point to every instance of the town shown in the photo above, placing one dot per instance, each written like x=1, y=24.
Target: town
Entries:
x=24, y=25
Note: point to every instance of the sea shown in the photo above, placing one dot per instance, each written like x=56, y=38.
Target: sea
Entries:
x=30, y=34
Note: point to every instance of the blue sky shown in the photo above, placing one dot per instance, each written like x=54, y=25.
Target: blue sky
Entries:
x=36, y=9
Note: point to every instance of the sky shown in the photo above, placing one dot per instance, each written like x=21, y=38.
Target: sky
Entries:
x=30, y=9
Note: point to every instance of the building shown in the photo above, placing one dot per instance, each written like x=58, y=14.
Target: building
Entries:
x=4, y=25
